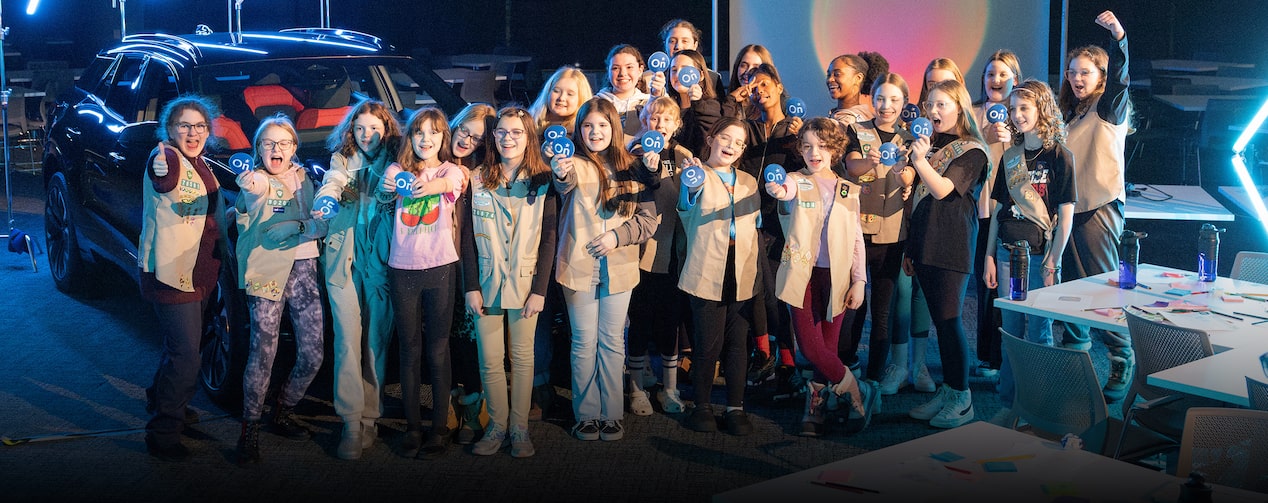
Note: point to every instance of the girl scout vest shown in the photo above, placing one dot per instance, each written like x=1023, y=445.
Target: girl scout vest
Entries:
x=803, y=221
x=172, y=225
x=668, y=241
x=942, y=159
x=881, y=190
x=507, y=225
x=264, y=265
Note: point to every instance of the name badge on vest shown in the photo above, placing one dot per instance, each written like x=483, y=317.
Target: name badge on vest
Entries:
x=482, y=199
x=804, y=184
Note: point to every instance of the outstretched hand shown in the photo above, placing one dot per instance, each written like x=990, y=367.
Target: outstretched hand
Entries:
x=1110, y=22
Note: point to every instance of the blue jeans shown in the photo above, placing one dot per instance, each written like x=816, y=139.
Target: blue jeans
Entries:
x=598, y=352
x=1031, y=328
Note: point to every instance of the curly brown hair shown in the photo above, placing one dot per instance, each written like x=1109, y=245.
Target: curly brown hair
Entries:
x=830, y=134
x=1050, y=127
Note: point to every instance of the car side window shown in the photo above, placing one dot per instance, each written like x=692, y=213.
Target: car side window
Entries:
x=124, y=84
x=157, y=88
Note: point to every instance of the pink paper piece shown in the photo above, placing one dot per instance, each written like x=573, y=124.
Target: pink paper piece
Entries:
x=1231, y=298
x=1172, y=275
x=1112, y=312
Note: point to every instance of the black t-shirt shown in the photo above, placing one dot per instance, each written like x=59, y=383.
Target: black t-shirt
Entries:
x=855, y=146
x=943, y=232
x=1052, y=178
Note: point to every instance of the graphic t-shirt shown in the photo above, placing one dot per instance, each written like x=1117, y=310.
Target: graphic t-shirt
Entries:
x=423, y=227
x=1051, y=177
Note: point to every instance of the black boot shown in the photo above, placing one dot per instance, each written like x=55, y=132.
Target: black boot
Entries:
x=285, y=424
x=249, y=443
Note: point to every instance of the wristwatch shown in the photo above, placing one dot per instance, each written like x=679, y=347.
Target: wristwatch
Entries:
x=301, y=226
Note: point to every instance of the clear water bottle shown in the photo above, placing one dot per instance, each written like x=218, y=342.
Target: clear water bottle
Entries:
x=1129, y=258
x=1018, y=269
x=1208, y=252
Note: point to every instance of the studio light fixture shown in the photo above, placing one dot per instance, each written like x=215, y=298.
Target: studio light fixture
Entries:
x=1243, y=172
x=31, y=6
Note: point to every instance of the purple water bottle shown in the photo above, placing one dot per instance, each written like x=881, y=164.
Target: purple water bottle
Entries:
x=1018, y=269
x=1208, y=252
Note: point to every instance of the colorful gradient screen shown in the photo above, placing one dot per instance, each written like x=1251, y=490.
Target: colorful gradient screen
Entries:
x=804, y=35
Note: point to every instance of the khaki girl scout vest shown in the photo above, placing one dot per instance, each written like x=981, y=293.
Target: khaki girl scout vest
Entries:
x=581, y=218
x=264, y=266
x=941, y=160
x=507, y=224
x=881, y=190
x=802, y=220
x=172, y=226
x=656, y=251
x=707, y=224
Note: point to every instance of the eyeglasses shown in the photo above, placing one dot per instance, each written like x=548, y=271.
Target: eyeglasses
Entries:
x=515, y=134
x=1079, y=73
x=280, y=145
x=939, y=105
x=465, y=134
x=727, y=140
x=186, y=127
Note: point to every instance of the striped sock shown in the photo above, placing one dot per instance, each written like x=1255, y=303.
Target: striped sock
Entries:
x=669, y=368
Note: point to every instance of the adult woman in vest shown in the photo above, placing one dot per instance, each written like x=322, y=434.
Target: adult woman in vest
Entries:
x=1097, y=109
x=183, y=234
x=940, y=244
x=606, y=214
x=883, y=192
x=355, y=261
x=508, y=244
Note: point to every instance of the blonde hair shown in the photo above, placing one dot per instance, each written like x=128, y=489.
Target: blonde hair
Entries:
x=279, y=121
x=1050, y=127
x=541, y=106
x=965, y=126
x=660, y=105
x=937, y=64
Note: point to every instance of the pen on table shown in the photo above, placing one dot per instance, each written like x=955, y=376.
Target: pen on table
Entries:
x=1227, y=315
x=844, y=487
x=1199, y=293
x=1146, y=287
x=961, y=470
x=1096, y=308
x=1251, y=315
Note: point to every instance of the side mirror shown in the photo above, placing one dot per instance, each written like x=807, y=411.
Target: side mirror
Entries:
x=142, y=135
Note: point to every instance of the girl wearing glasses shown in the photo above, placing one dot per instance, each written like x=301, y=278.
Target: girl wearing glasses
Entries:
x=560, y=98
x=720, y=217
x=1097, y=110
x=183, y=232
x=355, y=259
x=470, y=127
x=940, y=242
x=606, y=213
x=508, y=243
x=277, y=267
x=423, y=269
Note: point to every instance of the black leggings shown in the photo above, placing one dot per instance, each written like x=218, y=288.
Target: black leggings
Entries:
x=720, y=331
x=657, y=310
x=988, y=316
x=884, y=264
x=944, y=292
x=423, y=303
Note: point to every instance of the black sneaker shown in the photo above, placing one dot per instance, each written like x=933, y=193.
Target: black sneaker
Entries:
x=987, y=369
x=285, y=424
x=737, y=423
x=787, y=383
x=761, y=368
x=701, y=419
x=586, y=430
x=437, y=444
x=175, y=452
x=611, y=430
x=249, y=443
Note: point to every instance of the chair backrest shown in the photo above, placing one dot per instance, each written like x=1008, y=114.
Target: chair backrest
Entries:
x=1258, y=393
x=1057, y=390
x=1229, y=446
x=268, y=99
x=1251, y=266
x=1159, y=346
x=479, y=86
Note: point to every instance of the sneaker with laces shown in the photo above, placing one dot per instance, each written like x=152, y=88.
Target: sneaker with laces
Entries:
x=640, y=405
x=922, y=380
x=586, y=430
x=813, y=418
x=956, y=410
x=671, y=401
x=987, y=369
x=285, y=424
x=895, y=378
x=927, y=410
x=1120, y=378
x=761, y=368
x=787, y=383
x=494, y=439
x=611, y=430
x=521, y=445
x=737, y=423
x=858, y=421
x=702, y=419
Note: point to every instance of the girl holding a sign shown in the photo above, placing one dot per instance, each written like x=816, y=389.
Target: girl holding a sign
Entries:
x=560, y=98
x=355, y=260
x=698, y=102
x=940, y=243
x=876, y=160
x=658, y=308
x=822, y=274
x=606, y=213
x=719, y=208
x=423, y=185
x=625, y=68
x=1035, y=191
x=508, y=242
x=277, y=264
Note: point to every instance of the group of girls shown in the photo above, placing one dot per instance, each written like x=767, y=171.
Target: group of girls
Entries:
x=441, y=219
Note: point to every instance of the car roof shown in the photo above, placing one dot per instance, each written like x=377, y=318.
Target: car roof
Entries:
x=220, y=48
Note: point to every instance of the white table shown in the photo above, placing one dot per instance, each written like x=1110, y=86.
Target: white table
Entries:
x=1194, y=66
x=1224, y=84
x=1219, y=377
x=908, y=472
x=1187, y=202
x=486, y=61
x=1194, y=102
x=1241, y=197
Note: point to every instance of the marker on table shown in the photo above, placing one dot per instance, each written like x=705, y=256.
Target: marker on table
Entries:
x=1245, y=314
x=844, y=487
x=1228, y=315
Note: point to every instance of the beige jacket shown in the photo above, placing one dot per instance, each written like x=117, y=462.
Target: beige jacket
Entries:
x=264, y=265
x=507, y=226
x=802, y=219
x=582, y=218
x=172, y=226
x=656, y=252
x=707, y=224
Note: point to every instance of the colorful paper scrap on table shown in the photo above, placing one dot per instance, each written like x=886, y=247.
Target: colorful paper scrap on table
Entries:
x=1112, y=312
x=946, y=457
x=1231, y=298
x=1172, y=275
x=1000, y=466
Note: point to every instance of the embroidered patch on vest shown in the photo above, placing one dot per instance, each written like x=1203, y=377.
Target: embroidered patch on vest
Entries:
x=866, y=136
x=868, y=218
x=806, y=204
x=845, y=189
x=805, y=185
x=483, y=214
x=867, y=178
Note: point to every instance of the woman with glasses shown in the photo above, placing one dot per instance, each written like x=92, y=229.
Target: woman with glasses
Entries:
x=355, y=260
x=183, y=235
x=277, y=267
x=1097, y=109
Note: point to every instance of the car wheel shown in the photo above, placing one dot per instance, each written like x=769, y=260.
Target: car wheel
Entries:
x=64, y=258
x=225, y=340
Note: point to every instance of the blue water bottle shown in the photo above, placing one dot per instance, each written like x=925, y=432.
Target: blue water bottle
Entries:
x=1129, y=258
x=1208, y=252
x=1018, y=269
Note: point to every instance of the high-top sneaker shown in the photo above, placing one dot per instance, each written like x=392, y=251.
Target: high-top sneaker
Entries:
x=249, y=443
x=1120, y=378
x=895, y=378
x=927, y=410
x=813, y=418
x=922, y=380
x=285, y=424
x=870, y=398
x=471, y=406
x=956, y=410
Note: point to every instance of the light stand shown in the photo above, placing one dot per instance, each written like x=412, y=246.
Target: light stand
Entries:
x=13, y=234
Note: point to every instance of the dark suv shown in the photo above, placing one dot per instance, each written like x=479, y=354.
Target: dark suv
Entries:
x=101, y=134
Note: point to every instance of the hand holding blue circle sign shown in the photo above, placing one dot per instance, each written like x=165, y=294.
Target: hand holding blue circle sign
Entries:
x=774, y=173
x=652, y=141
x=889, y=153
x=692, y=176
x=910, y=112
x=240, y=162
x=328, y=207
x=555, y=132
x=405, y=183
x=658, y=62
x=688, y=76
x=795, y=107
x=921, y=127
x=996, y=113
x=562, y=146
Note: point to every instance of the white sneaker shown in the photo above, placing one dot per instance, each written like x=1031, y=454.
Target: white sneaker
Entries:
x=956, y=411
x=494, y=439
x=895, y=378
x=521, y=445
x=671, y=401
x=639, y=404
x=927, y=410
x=922, y=380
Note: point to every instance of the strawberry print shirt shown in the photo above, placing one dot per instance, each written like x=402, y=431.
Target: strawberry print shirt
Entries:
x=423, y=227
